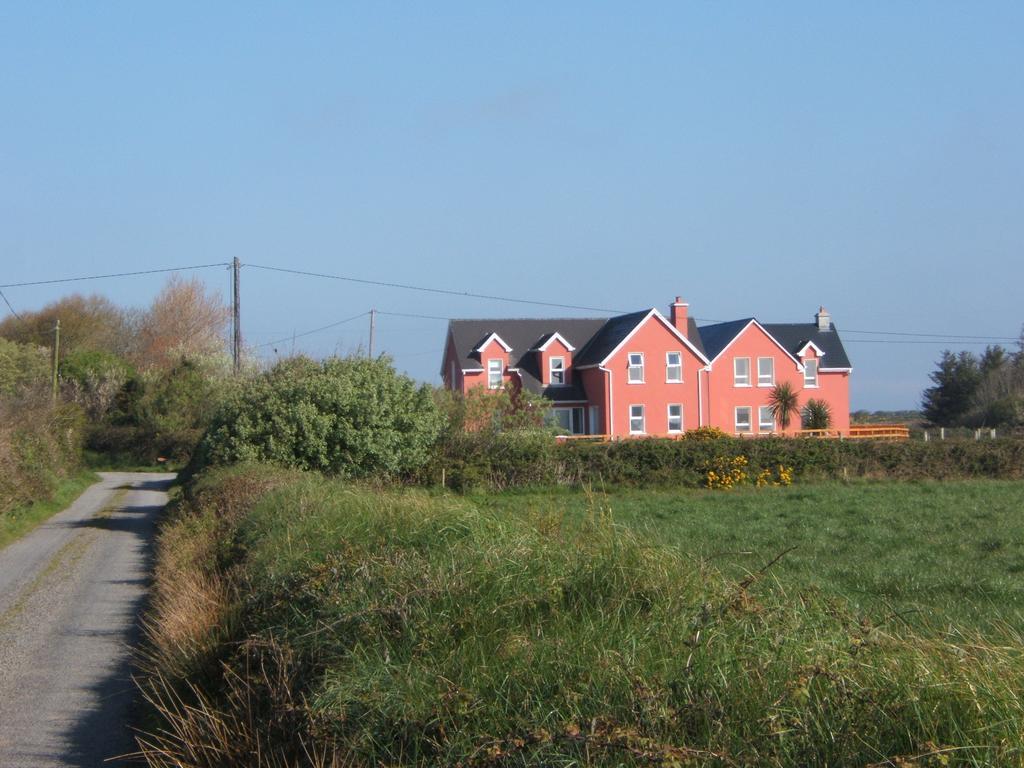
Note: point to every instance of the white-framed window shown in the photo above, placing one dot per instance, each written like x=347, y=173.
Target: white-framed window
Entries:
x=451, y=374
x=741, y=371
x=766, y=371
x=810, y=373
x=636, y=420
x=495, y=368
x=556, y=371
x=675, y=418
x=635, y=374
x=673, y=367
x=743, y=418
x=765, y=419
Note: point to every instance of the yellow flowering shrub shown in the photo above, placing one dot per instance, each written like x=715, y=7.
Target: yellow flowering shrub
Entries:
x=725, y=472
x=781, y=475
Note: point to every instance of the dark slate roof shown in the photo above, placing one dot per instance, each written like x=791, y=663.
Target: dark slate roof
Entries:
x=693, y=336
x=617, y=329
x=793, y=336
x=608, y=338
x=717, y=337
x=524, y=334
x=594, y=339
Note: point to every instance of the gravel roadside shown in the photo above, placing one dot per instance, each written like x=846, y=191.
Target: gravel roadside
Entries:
x=70, y=594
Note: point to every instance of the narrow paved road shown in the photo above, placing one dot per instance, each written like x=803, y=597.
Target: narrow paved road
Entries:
x=70, y=594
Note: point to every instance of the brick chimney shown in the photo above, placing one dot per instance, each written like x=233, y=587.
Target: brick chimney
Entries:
x=678, y=316
x=823, y=319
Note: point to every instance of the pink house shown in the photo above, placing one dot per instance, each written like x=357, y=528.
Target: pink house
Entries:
x=645, y=374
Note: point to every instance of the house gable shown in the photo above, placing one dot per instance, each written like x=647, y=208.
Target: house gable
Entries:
x=491, y=339
x=802, y=352
x=617, y=333
x=737, y=330
x=546, y=341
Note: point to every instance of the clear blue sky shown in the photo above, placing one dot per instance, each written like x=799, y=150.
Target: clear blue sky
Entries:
x=756, y=158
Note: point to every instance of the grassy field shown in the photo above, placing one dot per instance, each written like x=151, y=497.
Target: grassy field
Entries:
x=17, y=522
x=317, y=622
x=926, y=553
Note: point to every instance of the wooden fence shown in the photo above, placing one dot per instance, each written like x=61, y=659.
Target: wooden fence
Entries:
x=856, y=432
x=863, y=432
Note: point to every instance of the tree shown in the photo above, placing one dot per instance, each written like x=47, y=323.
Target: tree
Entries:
x=993, y=359
x=184, y=321
x=489, y=410
x=354, y=417
x=956, y=381
x=998, y=400
x=817, y=414
x=93, y=379
x=783, y=401
x=86, y=322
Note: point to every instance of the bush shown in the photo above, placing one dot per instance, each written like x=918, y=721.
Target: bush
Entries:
x=24, y=369
x=486, y=461
x=349, y=416
x=94, y=379
x=355, y=627
x=40, y=444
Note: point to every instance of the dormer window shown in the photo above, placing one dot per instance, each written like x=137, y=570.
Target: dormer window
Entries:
x=810, y=373
x=495, y=368
x=556, y=371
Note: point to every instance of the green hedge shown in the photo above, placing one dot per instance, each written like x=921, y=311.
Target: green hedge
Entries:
x=142, y=444
x=531, y=458
x=39, y=446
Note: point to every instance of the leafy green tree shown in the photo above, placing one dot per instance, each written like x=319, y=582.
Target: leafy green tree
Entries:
x=181, y=398
x=817, y=414
x=783, y=401
x=94, y=378
x=956, y=380
x=353, y=417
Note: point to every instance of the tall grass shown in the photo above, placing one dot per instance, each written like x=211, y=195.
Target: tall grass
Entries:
x=359, y=627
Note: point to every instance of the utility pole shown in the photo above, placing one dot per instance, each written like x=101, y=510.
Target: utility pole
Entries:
x=56, y=358
x=373, y=327
x=236, y=316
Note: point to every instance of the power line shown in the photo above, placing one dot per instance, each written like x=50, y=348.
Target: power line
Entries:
x=933, y=338
x=947, y=336
x=410, y=314
x=115, y=274
x=315, y=330
x=947, y=342
x=425, y=289
x=10, y=307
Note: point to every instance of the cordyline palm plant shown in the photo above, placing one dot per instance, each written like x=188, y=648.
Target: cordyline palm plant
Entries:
x=817, y=414
x=783, y=402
